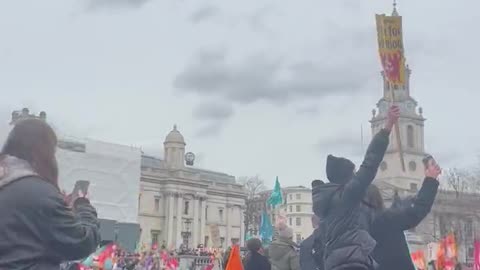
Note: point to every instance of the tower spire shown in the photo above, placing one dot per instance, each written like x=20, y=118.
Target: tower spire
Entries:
x=394, y=12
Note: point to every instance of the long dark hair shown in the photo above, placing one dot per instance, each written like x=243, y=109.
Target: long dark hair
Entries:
x=34, y=141
x=374, y=199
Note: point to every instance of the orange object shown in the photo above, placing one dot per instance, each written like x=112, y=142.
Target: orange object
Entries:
x=440, y=262
x=234, y=260
x=418, y=258
x=450, y=246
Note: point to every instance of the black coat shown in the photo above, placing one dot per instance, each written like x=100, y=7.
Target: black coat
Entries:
x=388, y=228
x=256, y=261
x=307, y=261
x=37, y=229
x=345, y=221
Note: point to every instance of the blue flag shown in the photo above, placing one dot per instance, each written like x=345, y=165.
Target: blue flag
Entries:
x=276, y=197
x=266, y=228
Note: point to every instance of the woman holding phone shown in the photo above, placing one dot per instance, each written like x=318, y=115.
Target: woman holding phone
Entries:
x=39, y=228
x=391, y=251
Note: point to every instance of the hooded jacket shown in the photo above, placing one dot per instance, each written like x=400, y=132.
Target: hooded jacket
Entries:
x=307, y=261
x=38, y=230
x=343, y=240
x=388, y=228
x=283, y=255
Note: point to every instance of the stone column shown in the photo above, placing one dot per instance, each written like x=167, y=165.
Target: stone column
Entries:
x=179, y=228
x=170, y=219
x=196, y=211
x=228, y=228
x=203, y=210
x=242, y=225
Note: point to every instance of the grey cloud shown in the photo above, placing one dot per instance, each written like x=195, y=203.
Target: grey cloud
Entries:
x=345, y=144
x=213, y=111
x=269, y=78
x=210, y=129
x=204, y=13
x=101, y=4
x=213, y=117
x=308, y=110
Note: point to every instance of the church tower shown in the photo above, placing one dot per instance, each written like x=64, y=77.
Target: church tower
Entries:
x=411, y=125
x=174, y=149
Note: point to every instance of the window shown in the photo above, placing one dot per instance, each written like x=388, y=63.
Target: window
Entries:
x=470, y=253
x=443, y=225
x=290, y=221
x=413, y=187
x=291, y=197
x=469, y=229
x=410, y=136
x=220, y=214
x=298, y=238
x=299, y=208
x=222, y=242
x=157, y=204
x=291, y=208
x=298, y=221
x=205, y=243
x=186, y=207
x=298, y=196
x=154, y=235
x=206, y=213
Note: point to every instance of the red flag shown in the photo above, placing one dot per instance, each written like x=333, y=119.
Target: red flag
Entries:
x=234, y=261
x=476, y=253
x=440, y=262
x=418, y=258
x=450, y=247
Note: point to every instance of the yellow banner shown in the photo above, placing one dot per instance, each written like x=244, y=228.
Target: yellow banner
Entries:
x=390, y=47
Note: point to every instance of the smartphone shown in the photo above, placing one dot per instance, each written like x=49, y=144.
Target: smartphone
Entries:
x=428, y=160
x=81, y=185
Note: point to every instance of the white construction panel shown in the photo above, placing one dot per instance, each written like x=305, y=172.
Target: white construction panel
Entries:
x=113, y=171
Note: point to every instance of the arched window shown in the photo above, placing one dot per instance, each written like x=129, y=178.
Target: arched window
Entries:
x=410, y=137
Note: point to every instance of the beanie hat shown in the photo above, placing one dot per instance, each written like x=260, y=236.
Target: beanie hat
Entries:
x=339, y=170
x=316, y=183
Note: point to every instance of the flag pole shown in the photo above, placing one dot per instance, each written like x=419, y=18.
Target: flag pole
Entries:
x=397, y=133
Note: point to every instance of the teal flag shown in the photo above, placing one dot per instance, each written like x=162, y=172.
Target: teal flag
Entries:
x=276, y=196
x=266, y=228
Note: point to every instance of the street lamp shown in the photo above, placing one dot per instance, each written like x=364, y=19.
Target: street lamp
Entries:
x=187, y=232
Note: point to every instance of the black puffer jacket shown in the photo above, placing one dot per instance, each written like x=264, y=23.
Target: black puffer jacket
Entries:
x=37, y=229
x=343, y=240
x=388, y=228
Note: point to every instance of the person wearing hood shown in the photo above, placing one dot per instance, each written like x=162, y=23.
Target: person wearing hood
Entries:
x=344, y=242
x=39, y=229
x=254, y=260
x=307, y=262
x=282, y=251
x=388, y=227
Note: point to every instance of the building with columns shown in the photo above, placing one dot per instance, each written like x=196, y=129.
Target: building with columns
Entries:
x=182, y=204
x=456, y=212
x=296, y=209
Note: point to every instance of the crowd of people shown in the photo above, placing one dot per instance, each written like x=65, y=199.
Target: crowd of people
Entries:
x=41, y=227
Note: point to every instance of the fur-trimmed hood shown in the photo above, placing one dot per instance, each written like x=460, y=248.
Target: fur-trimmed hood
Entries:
x=13, y=169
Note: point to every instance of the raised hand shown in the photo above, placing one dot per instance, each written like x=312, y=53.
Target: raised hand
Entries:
x=433, y=170
x=392, y=117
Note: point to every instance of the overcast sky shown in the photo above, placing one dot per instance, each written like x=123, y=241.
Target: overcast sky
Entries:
x=256, y=87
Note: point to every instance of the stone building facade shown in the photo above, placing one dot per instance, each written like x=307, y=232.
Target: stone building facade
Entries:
x=296, y=209
x=180, y=204
x=452, y=211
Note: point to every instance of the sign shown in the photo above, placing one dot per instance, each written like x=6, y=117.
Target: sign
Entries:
x=215, y=235
x=390, y=47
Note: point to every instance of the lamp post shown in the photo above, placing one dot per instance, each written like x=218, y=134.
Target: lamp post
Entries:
x=187, y=232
